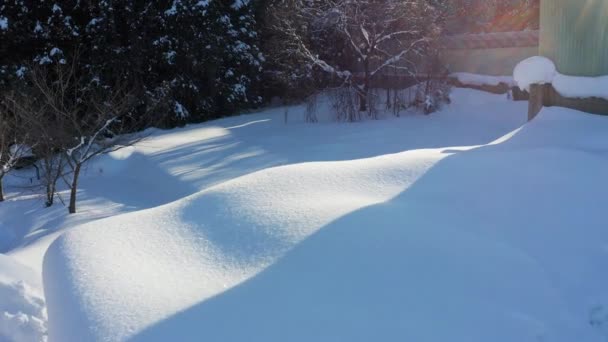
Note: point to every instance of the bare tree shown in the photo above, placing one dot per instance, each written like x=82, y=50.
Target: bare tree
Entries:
x=92, y=119
x=103, y=133
x=43, y=130
x=73, y=122
x=52, y=169
x=13, y=141
x=380, y=34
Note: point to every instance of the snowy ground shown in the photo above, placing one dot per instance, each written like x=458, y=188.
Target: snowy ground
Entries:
x=466, y=225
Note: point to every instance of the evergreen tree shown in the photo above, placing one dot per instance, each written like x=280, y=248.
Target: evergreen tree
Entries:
x=188, y=60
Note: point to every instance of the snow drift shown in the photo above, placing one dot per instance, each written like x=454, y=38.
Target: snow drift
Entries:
x=204, y=244
x=501, y=242
x=22, y=309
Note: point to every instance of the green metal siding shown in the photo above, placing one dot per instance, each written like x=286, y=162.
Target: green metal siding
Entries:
x=496, y=62
x=574, y=34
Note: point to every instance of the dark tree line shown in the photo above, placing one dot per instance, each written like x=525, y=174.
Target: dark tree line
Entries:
x=198, y=58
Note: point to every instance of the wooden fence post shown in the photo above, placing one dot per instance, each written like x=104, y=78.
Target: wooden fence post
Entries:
x=536, y=100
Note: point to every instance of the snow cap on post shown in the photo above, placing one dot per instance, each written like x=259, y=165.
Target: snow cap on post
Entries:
x=534, y=70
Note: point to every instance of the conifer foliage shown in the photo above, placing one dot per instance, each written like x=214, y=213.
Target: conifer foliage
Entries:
x=192, y=60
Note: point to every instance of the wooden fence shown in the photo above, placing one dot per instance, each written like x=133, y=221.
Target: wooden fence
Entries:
x=546, y=96
x=494, y=54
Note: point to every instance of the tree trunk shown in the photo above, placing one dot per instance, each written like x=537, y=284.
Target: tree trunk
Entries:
x=388, y=97
x=50, y=194
x=365, y=91
x=53, y=172
x=363, y=101
x=1, y=190
x=74, y=189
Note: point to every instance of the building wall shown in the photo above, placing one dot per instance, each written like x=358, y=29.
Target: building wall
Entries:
x=574, y=34
x=493, y=61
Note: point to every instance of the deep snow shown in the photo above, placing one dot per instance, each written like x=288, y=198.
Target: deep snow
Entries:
x=22, y=309
x=463, y=226
x=541, y=70
x=534, y=70
x=181, y=162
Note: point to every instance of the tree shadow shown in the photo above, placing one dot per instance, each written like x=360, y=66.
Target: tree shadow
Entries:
x=138, y=184
x=255, y=143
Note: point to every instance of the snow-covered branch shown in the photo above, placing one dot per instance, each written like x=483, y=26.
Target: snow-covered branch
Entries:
x=396, y=58
x=393, y=35
x=376, y=34
x=88, y=152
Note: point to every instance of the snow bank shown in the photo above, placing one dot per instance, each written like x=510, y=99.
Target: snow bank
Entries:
x=415, y=245
x=534, y=70
x=581, y=87
x=482, y=80
x=22, y=309
x=115, y=162
x=541, y=70
x=501, y=242
x=180, y=162
x=204, y=244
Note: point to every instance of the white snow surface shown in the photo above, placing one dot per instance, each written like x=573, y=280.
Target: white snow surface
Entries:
x=22, y=309
x=534, y=70
x=541, y=70
x=465, y=225
x=581, y=87
x=482, y=80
